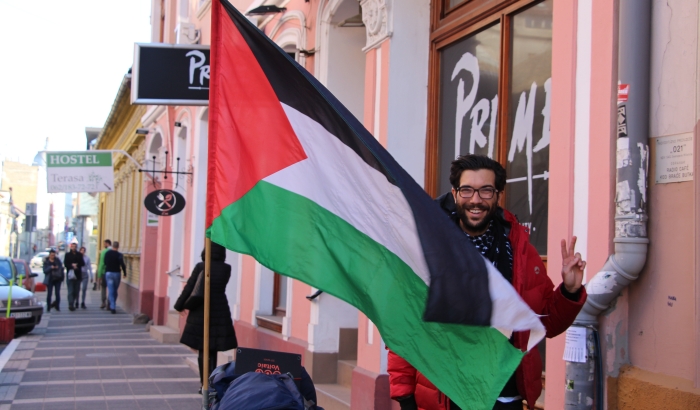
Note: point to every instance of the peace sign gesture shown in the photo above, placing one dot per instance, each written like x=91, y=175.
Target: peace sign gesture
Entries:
x=572, y=266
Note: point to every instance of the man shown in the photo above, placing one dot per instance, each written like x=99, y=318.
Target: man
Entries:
x=53, y=277
x=114, y=262
x=477, y=185
x=87, y=276
x=101, y=273
x=74, y=263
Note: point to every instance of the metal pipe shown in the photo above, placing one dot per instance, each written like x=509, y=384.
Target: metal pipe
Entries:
x=631, y=196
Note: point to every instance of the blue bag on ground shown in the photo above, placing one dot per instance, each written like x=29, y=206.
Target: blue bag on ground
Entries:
x=224, y=376
x=258, y=391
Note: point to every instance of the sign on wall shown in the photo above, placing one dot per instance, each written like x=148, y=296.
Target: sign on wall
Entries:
x=170, y=74
x=164, y=202
x=83, y=171
x=674, y=158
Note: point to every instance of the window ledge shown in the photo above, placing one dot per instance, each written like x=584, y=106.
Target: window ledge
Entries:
x=269, y=322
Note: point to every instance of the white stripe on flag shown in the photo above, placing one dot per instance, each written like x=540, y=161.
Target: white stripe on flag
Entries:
x=335, y=178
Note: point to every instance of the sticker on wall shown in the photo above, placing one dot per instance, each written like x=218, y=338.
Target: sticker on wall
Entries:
x=151, y=219
x=623, y=93
x=164, y=202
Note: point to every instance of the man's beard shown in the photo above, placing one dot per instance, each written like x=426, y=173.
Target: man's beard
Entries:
x=463, y=214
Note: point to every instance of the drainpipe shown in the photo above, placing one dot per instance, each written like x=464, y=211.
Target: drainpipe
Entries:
x=631, y=198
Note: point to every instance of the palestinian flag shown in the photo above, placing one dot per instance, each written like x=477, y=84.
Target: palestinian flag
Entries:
x=297, y=182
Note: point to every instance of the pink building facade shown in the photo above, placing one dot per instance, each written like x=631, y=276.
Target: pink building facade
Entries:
x=544, y=80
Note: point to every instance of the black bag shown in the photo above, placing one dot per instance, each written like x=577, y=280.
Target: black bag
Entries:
x=196, y=298
x=57, y=275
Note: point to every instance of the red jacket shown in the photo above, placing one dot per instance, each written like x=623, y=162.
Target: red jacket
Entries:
x=531, y=282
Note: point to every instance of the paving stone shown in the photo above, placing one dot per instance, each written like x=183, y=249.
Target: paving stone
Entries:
x=184, y=404
x=30, y=392
x=122, y=404
x=91, y=405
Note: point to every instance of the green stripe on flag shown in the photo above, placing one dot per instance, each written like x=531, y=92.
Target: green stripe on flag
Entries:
x=294, y=236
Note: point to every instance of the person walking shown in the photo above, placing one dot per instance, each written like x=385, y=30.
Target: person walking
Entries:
x=114, y=262
x=222, y=336
x=53, y=277
x=101, y=281
x=74, y=267
x=87, y=276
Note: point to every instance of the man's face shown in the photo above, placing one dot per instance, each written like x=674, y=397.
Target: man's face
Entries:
x=475, y=213
x=52, y=256
x=106, y=245
x=72, y=247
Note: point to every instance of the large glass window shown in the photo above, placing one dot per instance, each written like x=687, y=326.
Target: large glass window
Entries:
x=469, y=71
x=527, y=161
x=491, y=90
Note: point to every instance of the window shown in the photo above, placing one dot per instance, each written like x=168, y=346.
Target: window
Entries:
x=490, y=91
x=20, y=269
x=6, y=269
x=279, y=298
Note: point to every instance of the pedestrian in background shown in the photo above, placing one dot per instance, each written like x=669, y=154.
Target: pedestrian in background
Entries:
x=114, y=262
x=53, y=277
x=222, y=336
x=87, y=276
x=101, y=273
x=74, y=267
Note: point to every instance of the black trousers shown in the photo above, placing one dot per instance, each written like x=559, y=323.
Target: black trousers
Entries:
x=212, y=364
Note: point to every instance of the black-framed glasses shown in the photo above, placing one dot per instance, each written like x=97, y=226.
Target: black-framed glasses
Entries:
x=486, y=192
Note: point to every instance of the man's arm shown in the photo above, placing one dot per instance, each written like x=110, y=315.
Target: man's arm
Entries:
x=121, y=262
x=402, y=376
x=558, y=310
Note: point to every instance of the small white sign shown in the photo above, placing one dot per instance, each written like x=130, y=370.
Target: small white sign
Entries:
x=575, y=347
x=84, y=171
x=674, y=158
x=151, y=219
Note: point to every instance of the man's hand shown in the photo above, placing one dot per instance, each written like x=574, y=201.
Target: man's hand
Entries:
x=572, y=266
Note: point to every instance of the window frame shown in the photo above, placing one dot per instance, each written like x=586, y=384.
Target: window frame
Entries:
x=278, y=310
x=448, y=26
x=461, y=22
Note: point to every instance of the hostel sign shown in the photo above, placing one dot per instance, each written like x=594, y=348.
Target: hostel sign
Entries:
x=83, y=171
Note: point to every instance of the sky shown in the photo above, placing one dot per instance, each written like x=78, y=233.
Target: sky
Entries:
x=61, y=64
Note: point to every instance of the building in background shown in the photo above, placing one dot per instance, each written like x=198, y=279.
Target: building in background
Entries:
x=20, y=182
x=120, y=213
x=531, y=83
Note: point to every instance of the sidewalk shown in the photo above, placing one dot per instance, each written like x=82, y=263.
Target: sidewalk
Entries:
x=92, y=359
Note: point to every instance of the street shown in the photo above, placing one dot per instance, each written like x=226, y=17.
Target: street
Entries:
x=91, y=359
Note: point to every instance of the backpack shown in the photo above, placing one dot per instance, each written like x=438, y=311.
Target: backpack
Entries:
x=229, y=393
x=259, y=391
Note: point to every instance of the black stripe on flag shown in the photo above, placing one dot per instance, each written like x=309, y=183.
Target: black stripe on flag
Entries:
x=459, y=286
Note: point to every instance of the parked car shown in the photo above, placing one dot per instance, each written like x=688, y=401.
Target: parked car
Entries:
x=37, y=261
x=24, y=306
x=29, y=279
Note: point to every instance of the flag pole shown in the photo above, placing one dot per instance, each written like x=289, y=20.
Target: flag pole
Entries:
x=207, y=295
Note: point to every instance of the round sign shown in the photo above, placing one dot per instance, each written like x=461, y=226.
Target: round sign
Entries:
x=164, y=202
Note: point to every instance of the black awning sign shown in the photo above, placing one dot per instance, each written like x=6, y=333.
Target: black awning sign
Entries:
x=164, y=202
x=170, y=74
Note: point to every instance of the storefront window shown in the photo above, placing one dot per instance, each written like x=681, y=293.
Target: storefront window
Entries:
x=527, y=161
x=503, y=68
x=468, y=98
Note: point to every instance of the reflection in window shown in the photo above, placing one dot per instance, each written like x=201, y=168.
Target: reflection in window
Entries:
x=527, y=161
x=468, y=98
x=454, y=3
